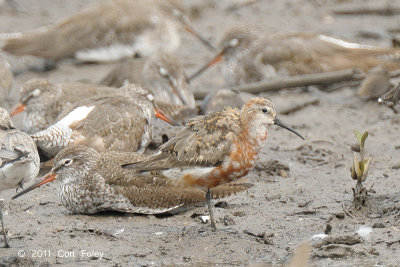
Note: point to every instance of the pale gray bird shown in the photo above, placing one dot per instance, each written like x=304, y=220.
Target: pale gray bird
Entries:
x=19, y=159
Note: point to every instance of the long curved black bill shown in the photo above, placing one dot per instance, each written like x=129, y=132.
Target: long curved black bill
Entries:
x=280, y=123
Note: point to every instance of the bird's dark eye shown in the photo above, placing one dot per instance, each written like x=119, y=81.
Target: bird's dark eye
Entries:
x=67, y=162
x=264, y=110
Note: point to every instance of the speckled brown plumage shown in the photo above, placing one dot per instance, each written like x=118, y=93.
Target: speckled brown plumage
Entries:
x=121, y=121
x=92, y=182
x=216, y=148
x=393, y=95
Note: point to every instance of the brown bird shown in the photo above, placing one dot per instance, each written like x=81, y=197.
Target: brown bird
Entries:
x=19, y=159
x=91, y=182
x=217, y=148
x=6, y=79
x=107, y=31
x=122, y=121
x=393, y=95
x=250, y=56
x=375, y=84
x=161, y=73
x=43, y=102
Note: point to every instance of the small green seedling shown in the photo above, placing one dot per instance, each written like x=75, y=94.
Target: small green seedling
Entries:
x=359, y=171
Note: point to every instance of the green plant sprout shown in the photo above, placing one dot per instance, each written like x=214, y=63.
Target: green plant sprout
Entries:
x=359, y=171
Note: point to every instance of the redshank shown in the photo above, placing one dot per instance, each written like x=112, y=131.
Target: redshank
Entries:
x=91, y=182
x=107, y=31
x=217, y=148
x=250, y=56
x=19, y=159
x=43, y=102
x=122, y=121
x=162, y=73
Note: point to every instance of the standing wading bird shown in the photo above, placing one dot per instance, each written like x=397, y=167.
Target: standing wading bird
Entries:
x=43, y=102
x=19, y=159
x=215, y=149
x=91, y=182
x=250, y=56
x=122, y=121
x=107, y=31
x=161, y=73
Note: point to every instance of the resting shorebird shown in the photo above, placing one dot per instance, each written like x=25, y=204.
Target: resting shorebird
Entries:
x=161, y=73
x=107, y=31
x=91, y=182
x=43, y=102
x=393, y=95
x=6, y=79
x=217, y=148
x=19, y=159
x=250, y=56
x=122, y=121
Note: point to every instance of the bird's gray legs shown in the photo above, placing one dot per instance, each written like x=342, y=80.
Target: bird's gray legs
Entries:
x=210, y=210
x=2, y=225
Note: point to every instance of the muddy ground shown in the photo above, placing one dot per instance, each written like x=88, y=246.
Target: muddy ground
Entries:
x=265, y=224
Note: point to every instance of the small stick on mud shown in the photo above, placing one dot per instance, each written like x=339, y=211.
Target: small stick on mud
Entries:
x=236, y=7
x=386, y=10
x=356, y=83
x=323, y=78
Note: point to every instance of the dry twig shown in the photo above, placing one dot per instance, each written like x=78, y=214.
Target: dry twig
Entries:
x=277, y=84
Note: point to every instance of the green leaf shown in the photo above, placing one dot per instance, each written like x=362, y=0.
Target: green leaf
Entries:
x=358, y=136
x=367, y=163
x=356, y=165
x=363, y=138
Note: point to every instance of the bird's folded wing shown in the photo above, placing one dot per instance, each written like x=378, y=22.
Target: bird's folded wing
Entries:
x=205, y=141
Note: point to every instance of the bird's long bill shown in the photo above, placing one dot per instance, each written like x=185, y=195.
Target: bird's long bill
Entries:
x=280, y=123
x=198, y=36
x=45, y=179
x=178, y=93
x=17, y=109
x=215, y=60
x=161, y=115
